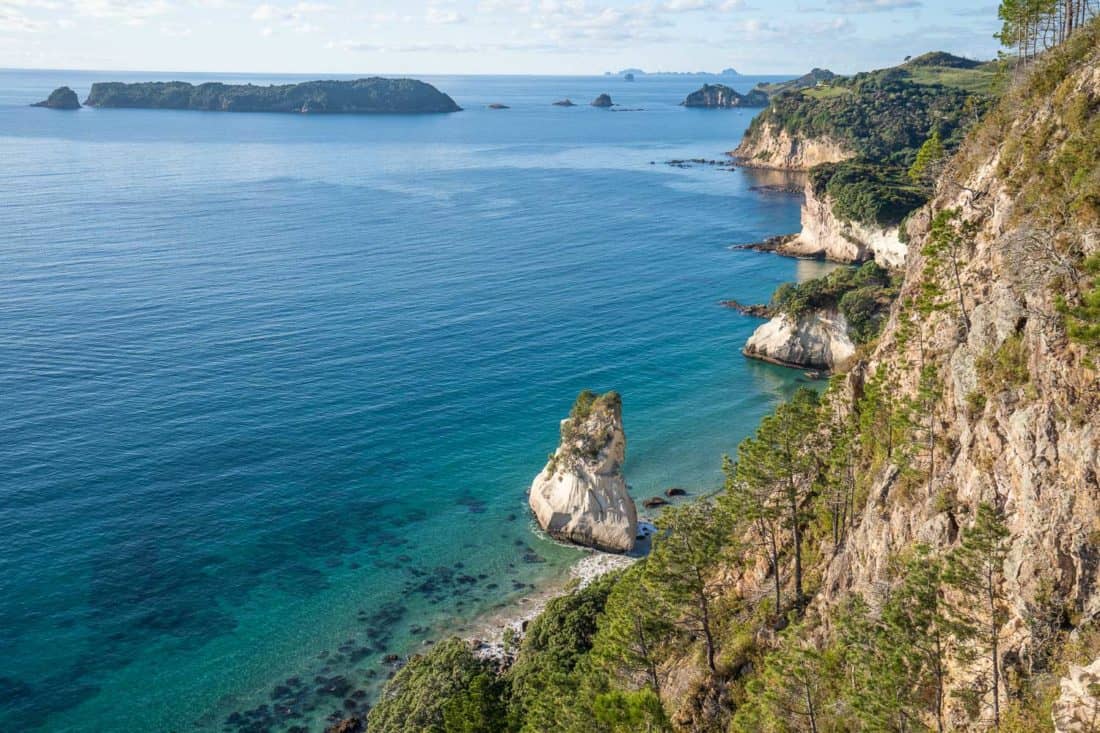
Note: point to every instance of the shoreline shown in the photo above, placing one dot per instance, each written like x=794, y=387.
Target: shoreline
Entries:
x=486, y=633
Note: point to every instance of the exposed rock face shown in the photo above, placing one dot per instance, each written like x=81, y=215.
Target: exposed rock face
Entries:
x=60, y=98
x=1077, y=709
x=776, y=148
x=824, y=235
x=817, y=340
x=1019, y=415
x=720, y=96
x=604, y=100
x=581, y=495
x=362, y=96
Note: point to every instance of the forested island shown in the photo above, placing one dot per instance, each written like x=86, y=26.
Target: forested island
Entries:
x=916, y=546
x=375, y=95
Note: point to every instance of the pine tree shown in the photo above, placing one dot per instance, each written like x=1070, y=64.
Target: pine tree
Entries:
x=680, y=569
x=775, y=473
x=975, y=569
x=631, y=631
x=929, y=162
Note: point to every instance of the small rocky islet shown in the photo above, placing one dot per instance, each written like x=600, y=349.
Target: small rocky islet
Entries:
x=60, y=98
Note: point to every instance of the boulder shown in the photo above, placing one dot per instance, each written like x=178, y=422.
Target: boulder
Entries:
x=60, y=98
x=654, y=501
x=604, y=100
x=1077, y=709
x=581, y=495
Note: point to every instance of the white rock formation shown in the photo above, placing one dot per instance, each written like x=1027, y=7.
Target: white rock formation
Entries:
x=816, y=340
x=1077, y=709
x=823, y=234
x=778, y=149
x=581, y=495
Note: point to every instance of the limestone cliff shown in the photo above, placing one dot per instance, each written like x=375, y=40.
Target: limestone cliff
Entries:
x=581, y=495
x=774, y=147
x=824, y=234
x=817, y=339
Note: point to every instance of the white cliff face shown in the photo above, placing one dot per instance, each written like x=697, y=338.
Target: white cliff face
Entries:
x=824, y=235
x=776, y=148
x=581, y=495
x=816, y=340
x=1077, y=709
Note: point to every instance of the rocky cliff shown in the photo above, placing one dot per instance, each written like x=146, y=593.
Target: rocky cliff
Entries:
x=824, y=234
x=1016, y=420
x=817, y=339
x=774, y=147
x=362, y=96
x=581, y=496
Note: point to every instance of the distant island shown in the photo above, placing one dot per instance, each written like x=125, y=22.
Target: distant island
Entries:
x=361, y=96
x=632, y=72
x=720, y=96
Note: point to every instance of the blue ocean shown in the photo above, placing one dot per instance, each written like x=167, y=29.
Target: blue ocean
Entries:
x=273, y=387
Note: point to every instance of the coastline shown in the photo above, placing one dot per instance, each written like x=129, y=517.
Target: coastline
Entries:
x=486, y=633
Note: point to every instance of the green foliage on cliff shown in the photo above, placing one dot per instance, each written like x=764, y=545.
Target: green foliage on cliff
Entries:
x=884, y=116
x=867, y=193
x=432, y=689
x=862, y=294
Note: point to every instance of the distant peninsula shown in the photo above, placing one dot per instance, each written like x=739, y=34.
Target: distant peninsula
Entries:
x=375, y=95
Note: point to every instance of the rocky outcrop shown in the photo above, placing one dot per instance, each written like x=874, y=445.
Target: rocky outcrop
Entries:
x=817, y=339
x=60, y=98
x=825, y=235
x=581, y=495
x=564, y=103
x=1077, y=709
x=771, y=147
x=720, y=96
x=604, y=100
x=361, y=96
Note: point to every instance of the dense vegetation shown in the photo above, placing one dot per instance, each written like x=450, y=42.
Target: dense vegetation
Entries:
x=868, y=192
x=862, y=294
x=884, y=117
x=374, y=95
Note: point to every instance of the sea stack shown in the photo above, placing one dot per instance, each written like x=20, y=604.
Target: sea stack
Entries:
x=60, y=98
x=604, y=100
x=581, y=496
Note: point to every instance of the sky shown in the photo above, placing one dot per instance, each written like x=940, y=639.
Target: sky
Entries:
x=487, y=36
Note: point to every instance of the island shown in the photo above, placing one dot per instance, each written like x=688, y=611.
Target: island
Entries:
x=375, y=95
x=564, y=103
x=60, y=98
x=604, y=100
x=720, y=96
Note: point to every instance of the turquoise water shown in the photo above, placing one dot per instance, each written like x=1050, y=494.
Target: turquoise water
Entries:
x=274, y=386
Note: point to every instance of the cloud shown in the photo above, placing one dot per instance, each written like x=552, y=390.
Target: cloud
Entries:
x=293, y=17
x=439, y=16
x=872, y=6
x=15, y=21
x=130, y=11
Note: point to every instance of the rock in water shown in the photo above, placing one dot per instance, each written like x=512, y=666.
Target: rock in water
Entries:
x=581, y=495
x=604, y=100
x=60, y=98
x=720, y=96
x=1077, y=709
x=564, y=103
x=817, y=339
